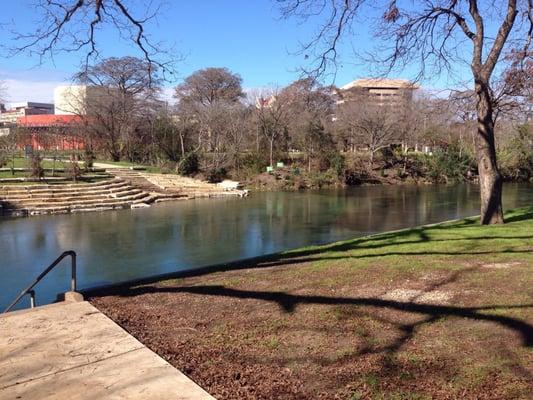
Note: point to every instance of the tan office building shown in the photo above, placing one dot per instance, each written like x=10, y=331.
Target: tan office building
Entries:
x=383, y=91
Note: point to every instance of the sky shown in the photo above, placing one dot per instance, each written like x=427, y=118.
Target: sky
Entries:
x=246, y=36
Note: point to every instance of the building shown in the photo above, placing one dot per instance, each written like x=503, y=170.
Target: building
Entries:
x=382, y=91
x=51, y=132
x=75, y=99
x=17, y=110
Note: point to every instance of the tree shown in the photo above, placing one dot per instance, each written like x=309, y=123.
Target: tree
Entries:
x=310, y=107
x=515, y=88
x=206, y=96
x=120, y=93
x=272, y=114
x=432, y=34
x=74, y=25
x=372, y=125
x=173, y=135
x=209, y=86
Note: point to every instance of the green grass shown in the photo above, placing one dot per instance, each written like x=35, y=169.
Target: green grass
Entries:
x=21, y=162
x=462, y=242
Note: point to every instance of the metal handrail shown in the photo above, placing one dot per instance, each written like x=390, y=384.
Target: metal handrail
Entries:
x=29, y=290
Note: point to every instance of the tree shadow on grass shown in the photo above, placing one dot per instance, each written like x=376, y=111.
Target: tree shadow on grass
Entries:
x=519, y=217
x=288, y=303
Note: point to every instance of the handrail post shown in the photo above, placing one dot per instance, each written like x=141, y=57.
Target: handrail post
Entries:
x=29, y=290
x=73, y=284
x=32, y=298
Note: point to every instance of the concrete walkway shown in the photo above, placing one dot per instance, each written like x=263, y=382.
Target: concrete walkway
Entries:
x=108, y=166
x=73, y=351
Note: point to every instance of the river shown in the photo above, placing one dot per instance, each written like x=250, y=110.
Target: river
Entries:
x=114, y=246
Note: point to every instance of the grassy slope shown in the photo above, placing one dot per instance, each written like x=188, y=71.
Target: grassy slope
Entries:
x=458, y=241
x=341, y=320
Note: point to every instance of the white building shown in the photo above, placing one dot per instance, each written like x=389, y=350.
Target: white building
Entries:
x=74, y=99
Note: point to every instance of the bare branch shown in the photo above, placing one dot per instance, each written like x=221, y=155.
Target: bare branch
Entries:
x=73, y=26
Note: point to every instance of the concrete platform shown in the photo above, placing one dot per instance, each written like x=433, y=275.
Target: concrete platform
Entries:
x=73, y=351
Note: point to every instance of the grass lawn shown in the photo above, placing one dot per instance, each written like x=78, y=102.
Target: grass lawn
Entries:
x=21, y=162
x=440, y=312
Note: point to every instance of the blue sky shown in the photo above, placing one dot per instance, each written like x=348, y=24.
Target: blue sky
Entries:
x=246, y=36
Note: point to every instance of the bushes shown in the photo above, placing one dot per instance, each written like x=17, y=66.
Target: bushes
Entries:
x=255, y=163
x=216, y=175
x=189, y=164
x=4, y=159
x=449, y=165
x=336, y=162
x=73, y=170
x=36, y=170
x=516, y=157
x=88, y=158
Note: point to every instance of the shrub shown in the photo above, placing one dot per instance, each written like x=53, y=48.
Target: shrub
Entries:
x=88, y=158
x=217, y=175
x=189, y=164
x=4, y=159
x=36, y=169
x=73, y=170
x=255, y=163
x=449, y=165
x=337, y=163
x=516, y=157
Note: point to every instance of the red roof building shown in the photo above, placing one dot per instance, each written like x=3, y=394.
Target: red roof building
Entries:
x=52, y=132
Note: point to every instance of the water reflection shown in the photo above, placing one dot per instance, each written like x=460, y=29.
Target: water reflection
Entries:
x=128, y=244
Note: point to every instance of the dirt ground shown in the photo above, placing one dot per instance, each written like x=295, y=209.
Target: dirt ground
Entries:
x=412, y=322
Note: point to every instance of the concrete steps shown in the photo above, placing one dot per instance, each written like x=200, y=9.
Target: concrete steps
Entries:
x=50, y=199
x=123, y=194
x=192, y=188
x=128, y=189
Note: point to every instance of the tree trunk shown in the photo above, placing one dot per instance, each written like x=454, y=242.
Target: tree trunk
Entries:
x=182, y=146
x=272, y=152
x=490, y=179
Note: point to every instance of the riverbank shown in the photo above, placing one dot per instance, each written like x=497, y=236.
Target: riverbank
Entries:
x=438, y=312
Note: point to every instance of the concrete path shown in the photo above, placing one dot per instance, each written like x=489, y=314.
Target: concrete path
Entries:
x=73, y=351
x=108, y=166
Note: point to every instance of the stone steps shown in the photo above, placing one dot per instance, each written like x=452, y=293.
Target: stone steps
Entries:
x=64, y=202
x=129, y=189
x=46, y=199
x=49, y=189
x=81, y=195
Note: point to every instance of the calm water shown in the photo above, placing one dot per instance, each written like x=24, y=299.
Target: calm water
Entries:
x=114, y=246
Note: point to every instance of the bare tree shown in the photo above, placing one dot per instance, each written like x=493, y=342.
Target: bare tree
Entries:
x=117, y=96
x=310, y=106
x=172, y=135
x=208, y=86
x=237, y=128
x=75, y=26
x=206, y=95
x=432, y=33
x=272, y=114
x=372, y=125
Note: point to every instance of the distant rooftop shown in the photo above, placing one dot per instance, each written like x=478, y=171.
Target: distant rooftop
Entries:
x=380, y=83
x=31, y=104
x=47, y=120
